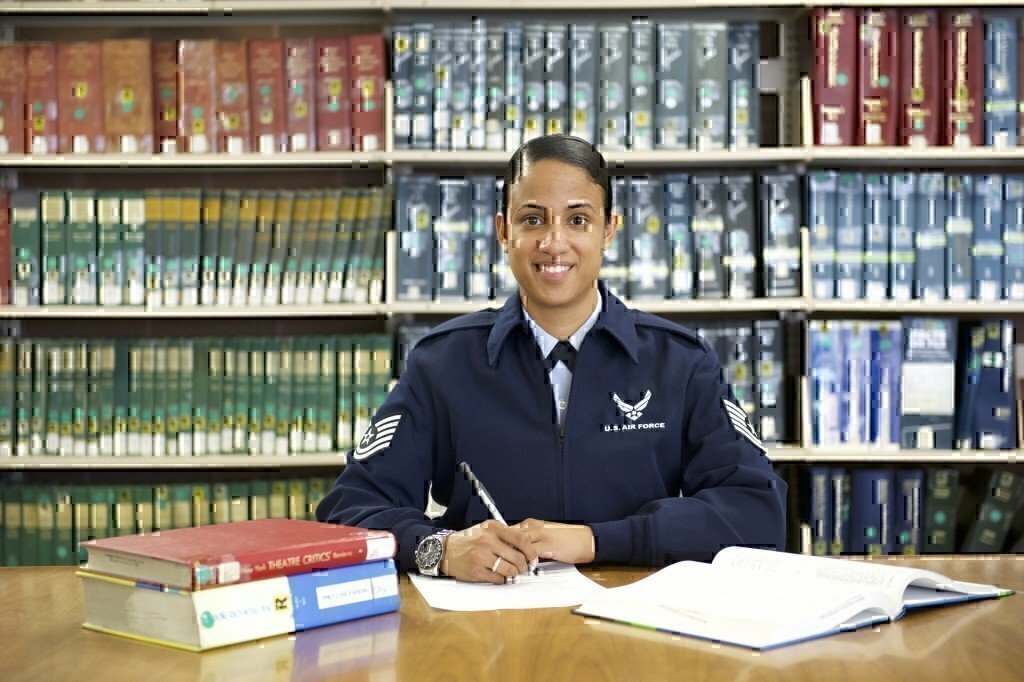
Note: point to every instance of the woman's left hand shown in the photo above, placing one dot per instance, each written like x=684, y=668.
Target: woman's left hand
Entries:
x=571, y=544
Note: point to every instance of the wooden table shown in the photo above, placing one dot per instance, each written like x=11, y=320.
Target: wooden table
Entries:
x=41, y=615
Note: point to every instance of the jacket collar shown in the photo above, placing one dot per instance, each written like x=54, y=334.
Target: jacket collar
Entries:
x=615, y=318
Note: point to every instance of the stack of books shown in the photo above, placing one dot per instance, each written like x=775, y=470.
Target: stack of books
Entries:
x=200, y=588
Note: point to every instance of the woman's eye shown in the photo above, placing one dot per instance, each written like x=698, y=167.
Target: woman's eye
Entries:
x=533, y=220
x=579, y=220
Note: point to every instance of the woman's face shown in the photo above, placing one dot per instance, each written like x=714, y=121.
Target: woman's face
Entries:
x=555, y=233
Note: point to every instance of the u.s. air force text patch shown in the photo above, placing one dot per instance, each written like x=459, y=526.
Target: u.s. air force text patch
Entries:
x=740, y=423
x=377, y=437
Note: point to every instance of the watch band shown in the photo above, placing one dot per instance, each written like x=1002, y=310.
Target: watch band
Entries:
x=434, y=568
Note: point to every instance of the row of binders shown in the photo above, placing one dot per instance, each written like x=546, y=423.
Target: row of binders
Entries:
x=621, y=85
x=186, y=247
x=914, y=384
x=917, y=77
x=189, y=397
x=911, y=511
x=137, y=96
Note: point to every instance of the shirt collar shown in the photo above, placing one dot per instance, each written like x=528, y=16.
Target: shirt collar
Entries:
x=547, y=341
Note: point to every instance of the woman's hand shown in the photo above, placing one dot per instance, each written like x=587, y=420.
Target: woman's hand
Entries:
x=559, y=541
x=489, y=553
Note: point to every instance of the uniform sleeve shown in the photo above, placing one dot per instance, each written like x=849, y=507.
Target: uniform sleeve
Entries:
x=730, y=493
x=386, y=477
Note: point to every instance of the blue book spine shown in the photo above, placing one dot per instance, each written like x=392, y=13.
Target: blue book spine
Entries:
x=1013, y=238
x=886, y=356
x=850, y=237
x=856, y=381
x=840, y=484
x=876, y=236
x=416, y=201
x=442, y=62
x=401, y=79
x=478, y=82
x=534, y=63
x=613, y=86
x=672, y=107
x=461, y=87
x=994, y=422
x=871, y=511
x=902, y=226
x=744, y=95
x=641, y=85
x=928, y=383
x=909, y=516
x=647, y=255
x=825, y=376
x=451, y=233
x=479, y=282
x=930, y=263
x=1001, y=81
x=708, y=229
x=495, y=118
x=678, y=202
x=341, y=594
x=821, y=219
x=513, y=85
x=556, y=80
x=820, y=516
x=709, y=75
x=422, y=87
x=959, y=237
x=614, y=269
x=780, y=218
x=583, y=81
x=988, y=238
x=740, y=235
x=771, y=413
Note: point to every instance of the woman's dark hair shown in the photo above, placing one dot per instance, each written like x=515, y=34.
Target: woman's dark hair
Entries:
x=567, y=149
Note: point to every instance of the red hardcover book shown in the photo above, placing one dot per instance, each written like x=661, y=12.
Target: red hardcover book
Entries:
x=12, y=98
x=80, y=98
x=266, y=93
x=226, y=553
x=198, y=61
x=920, y=83
x=834, y=82
x=234, y=134
x=5, y=247
x=963, y=78
x=879, y=69
x=128, y=95
x=41, y=98
x=300, y=76
x=367, y=59
x=165, y=95
x=333, y=96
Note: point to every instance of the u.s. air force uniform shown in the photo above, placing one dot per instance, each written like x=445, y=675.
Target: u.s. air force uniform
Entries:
x=653, y=453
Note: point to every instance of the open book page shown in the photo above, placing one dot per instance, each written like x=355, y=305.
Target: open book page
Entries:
x=909, y=587
x=736, y=606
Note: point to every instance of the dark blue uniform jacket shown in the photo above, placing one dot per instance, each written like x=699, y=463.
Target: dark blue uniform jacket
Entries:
x=650, y=457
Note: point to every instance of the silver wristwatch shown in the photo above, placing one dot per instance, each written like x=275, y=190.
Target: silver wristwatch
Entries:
x=430, y=553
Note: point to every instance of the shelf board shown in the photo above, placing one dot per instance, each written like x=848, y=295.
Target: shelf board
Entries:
x=205, y=161
x=765, y=156
x=208, y=462
x=209, y=311
x=590, y=5
x=886, y=455
x=886, y=307
x=941, y=157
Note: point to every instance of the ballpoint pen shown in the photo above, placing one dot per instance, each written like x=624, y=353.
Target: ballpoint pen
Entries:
x=485, y=497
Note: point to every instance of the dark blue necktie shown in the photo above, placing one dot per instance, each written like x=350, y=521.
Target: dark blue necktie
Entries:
x=563, y=351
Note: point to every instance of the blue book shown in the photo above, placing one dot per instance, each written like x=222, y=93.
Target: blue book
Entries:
x=494, y=126
x=959, y=236
x=1013, y=238
x=1001, y=81
x=709, y=78
x=990, y=419
x=614, y=267
x=940, y=503
x=708, y=229
x=988, y=238
x=556, y=80
x=401, y=79
x=672, y=106
x=583, y=57
x=451, y=234
x=416, y=200
x=422, y=75
x=871, y=511
x=850, y=237
x=780, y=220
x=902, y=226
x=648, y=249
x=678, y=201
x=821, y=220
x=641, y=84
x=930, y=261
x=513, y=85
x=909, y=515
x=479, y=270
x=442, y=62
x=886, y=356
x=772, y=408
x=928, y=383
x=856, y=381
x=820, y=516
x=462, y=87
x=744, y=92
x=825, y=384
x=740, y=236
x=478, y=82
x=840, y=491
x=613, y=74
x=534, y=63
x=876, y=236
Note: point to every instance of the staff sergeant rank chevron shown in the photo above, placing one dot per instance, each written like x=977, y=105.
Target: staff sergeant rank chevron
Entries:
x=377, y=437
x=740, y=423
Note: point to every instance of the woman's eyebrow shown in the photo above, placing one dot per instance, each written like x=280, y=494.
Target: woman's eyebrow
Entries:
x=580, y=204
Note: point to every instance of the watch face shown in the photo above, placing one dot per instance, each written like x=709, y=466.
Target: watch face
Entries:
x=428, y=554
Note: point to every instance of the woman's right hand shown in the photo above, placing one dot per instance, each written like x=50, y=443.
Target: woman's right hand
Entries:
x=473, y=554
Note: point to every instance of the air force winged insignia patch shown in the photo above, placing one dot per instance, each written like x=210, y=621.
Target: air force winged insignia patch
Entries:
x=632, y=412
x=740, y=423
x=377, y=437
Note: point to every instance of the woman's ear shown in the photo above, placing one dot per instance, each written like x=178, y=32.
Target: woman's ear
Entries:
x=610, y=228
x=501, y=231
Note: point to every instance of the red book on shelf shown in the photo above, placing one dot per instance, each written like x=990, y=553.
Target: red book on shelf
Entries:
x=300, y=76
x=5, y=247
x=367, y=59
x=266, y=95
x=196, y=93
x=963, y=78
x=80, y=98
x=333, y=96
x=920, y=82
x=41, y=98
x=878, y=73
x=128, y=95
x=234, y=134
x=834, y=78
x=12, y=98
x=222, y=554
x=165, y=96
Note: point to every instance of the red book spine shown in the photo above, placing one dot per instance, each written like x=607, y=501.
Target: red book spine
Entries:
x=266, y=94
x=920, y=82
x=5, y=247
x=12, y=98
x=963, y=36
x=834, y=85
x=879, y=68
x=234, y=133
x=198, y=60
x=333, y=96
x=165, y=95
x=80, y=98
x=367, y=55
x=300, y=116
x=128, y=95
x=41, y=98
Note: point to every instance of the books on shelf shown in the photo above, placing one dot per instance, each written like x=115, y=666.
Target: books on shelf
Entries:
x=762, y=599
